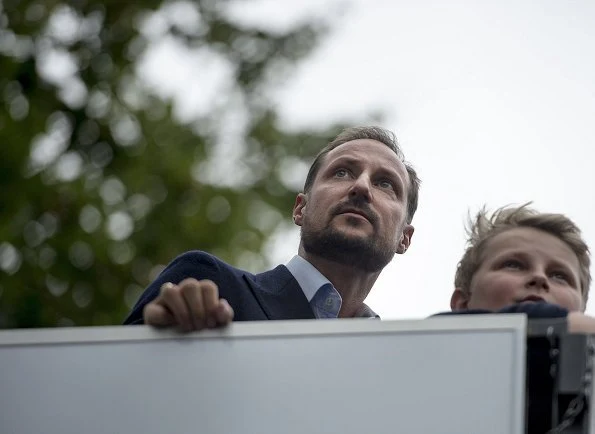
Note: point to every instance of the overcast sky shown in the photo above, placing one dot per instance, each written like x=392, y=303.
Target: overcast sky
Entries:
x=493, y=103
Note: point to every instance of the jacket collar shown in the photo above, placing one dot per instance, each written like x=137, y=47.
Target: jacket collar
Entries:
x=279, y=294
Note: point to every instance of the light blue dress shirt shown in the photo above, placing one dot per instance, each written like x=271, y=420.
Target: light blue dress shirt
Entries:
x=324, y=299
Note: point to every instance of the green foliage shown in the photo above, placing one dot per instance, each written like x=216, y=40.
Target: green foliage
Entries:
x=101, y=184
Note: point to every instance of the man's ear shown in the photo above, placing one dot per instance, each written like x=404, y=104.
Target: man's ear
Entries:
x=459, y=300
x=405, y=239
x=298, y=208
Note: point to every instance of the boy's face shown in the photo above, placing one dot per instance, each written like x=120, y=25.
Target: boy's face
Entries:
x=523, y=265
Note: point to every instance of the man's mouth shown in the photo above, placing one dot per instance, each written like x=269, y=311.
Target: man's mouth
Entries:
x=356, y=212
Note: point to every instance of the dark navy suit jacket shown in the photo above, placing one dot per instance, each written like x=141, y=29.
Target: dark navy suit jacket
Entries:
x=272, y=295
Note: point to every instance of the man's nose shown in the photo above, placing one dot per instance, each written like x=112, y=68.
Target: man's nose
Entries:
x=361, y=187
x=538, y=280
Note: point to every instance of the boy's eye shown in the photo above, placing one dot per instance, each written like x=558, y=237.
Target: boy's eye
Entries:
x=560, y=275
x=512, y=263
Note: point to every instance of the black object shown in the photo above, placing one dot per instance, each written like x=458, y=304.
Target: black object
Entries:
x=559, y=369
x=559, y=375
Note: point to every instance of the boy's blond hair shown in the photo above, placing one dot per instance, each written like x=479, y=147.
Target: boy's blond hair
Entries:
x=484, y=227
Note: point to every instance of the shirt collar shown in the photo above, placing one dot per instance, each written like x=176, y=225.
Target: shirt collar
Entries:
x=307, y=276
x=311, y=280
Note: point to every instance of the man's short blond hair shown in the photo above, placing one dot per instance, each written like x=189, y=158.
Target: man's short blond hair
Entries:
x=484, y=227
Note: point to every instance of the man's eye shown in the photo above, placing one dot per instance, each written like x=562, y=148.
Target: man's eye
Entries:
x=341, y=173
x=385, y=183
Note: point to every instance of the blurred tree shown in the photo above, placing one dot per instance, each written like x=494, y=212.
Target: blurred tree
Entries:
x=103, y=179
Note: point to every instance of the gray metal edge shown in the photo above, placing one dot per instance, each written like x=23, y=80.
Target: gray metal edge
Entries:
x=518, y=399
x=255, y=329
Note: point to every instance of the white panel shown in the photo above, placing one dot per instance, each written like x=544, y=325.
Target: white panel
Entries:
x=441, y=375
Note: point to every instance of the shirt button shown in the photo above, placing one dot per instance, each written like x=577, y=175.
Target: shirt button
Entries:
x=329, y=301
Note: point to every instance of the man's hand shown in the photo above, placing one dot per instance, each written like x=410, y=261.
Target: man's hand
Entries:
x=190, y=305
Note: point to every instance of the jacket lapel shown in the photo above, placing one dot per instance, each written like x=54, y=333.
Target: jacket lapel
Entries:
x=279, y=294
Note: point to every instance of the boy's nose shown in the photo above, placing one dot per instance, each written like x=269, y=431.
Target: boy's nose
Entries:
x=538, y=281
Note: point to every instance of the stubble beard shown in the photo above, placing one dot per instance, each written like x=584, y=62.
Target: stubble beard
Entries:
x=365, y=254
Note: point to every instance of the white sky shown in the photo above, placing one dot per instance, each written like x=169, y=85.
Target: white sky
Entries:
x=493, y=103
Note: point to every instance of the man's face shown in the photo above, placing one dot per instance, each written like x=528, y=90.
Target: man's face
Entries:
x=525, y=265
x=355, y=211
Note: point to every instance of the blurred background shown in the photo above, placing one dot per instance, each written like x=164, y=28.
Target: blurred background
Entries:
x=133, y=131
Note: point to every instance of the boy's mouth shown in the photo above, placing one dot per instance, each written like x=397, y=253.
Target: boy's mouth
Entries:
x=531, y=298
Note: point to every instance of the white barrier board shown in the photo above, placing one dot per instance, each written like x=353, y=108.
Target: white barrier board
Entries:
x=441, y=375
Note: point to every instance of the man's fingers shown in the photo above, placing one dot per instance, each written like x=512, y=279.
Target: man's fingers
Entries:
x=202, y=298
x=210, y=298
x=191, y=305
x=157, y=315
x=170, y=297
x=224, y=312
x=192, y=296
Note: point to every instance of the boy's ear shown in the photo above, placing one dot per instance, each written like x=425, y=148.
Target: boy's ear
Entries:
x=459, y=300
